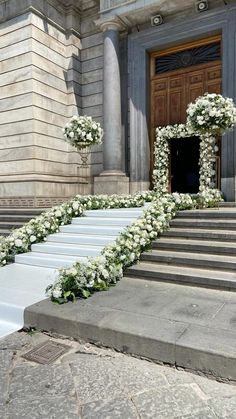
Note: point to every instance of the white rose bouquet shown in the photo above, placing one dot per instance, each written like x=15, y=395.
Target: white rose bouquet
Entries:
x=82, y=132
x=211, y=113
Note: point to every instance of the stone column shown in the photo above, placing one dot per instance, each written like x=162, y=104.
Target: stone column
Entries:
x=112, y=179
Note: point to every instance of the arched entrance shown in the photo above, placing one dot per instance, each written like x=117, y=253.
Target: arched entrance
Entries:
x=178, y=76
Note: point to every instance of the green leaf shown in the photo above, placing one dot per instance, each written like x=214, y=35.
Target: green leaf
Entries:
x=85, y=293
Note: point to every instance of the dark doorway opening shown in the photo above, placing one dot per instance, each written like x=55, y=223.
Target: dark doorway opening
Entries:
x=184, y=164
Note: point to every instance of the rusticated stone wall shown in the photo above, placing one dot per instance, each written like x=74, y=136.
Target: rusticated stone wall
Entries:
x=40, y=88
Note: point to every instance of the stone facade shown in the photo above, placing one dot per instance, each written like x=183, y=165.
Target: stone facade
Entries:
x=65, y=57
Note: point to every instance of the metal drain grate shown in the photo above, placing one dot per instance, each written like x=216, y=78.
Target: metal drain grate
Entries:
x=46, y=352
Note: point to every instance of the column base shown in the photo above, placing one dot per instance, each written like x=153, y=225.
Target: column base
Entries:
x=110, y=183
x=139, y=187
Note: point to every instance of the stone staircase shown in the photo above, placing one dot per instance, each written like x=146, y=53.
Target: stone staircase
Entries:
x=199, y=250
x=11, y=218
x=150, y=313
x=86, y=236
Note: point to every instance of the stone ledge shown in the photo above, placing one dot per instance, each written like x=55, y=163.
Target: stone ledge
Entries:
x=144, y=319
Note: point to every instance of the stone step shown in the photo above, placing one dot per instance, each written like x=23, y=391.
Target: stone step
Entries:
x=15, y=218
x=206, y=261
x=22, y=211
x=10, y=225
x=218, y=279
x=227, y=204
x=12, y=218
x=205, y=214
x=4, y=232
x=68, y=249
x=201, y=234
x=186, y=327
x=225, y=248
x=204, y=223
x=94, y=240
x=92, y=230
x=47, y=260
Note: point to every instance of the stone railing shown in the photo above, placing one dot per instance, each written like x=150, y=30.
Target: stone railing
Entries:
x=112, y=4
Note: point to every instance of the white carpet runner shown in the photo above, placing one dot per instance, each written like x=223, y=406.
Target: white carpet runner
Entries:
x=23, y=283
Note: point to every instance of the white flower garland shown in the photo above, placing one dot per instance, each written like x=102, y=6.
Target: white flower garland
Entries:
x=210, y=115
x=37, y=229
x=160, y=174
x=207, y=160
x=82, y=279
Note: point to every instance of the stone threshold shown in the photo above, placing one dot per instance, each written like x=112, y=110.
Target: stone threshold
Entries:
x=187, y=327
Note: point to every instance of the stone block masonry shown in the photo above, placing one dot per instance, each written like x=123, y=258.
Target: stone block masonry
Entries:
x=91, y=57
x=40, y=79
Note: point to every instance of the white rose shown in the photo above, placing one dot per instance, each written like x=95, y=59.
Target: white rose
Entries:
x=32, y=239
x=18, y=243
x=75, y=205
x=57, y=293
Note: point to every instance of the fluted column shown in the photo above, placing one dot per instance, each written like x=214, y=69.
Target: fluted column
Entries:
x=113, y=150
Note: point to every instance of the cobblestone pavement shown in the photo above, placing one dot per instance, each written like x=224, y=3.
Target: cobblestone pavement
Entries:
x=93, y=383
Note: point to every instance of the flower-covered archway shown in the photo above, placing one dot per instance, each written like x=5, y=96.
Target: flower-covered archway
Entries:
x=211, y=115
x=207, y=161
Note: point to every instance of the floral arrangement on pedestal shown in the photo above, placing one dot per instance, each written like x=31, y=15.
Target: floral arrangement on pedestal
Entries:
x=210, y=115
x=83, y=132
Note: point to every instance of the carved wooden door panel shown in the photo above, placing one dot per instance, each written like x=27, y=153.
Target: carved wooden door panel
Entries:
x=172, y=91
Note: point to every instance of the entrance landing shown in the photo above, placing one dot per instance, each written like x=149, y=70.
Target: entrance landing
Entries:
x=189, y=327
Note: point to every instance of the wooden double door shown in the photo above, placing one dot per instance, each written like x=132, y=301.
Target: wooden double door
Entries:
x=174, y=84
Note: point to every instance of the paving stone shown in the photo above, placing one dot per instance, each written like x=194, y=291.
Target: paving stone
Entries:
x=215, y=389
x=108, y=385
x=20, y=340
x=43, y=408
x=113, y=376
x=28, y=381
x=175, y=377
x=224, y=408
x=120, y=408
x=93, y=383
x=169, y=402
x=136, y=297
x=206, y=413
x=197, y=310
x=209, y=350
x=6, y=358
x=226, y=317
x=3, y=410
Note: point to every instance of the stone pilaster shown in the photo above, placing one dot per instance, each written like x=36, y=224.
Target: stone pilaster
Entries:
x=112, y=179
